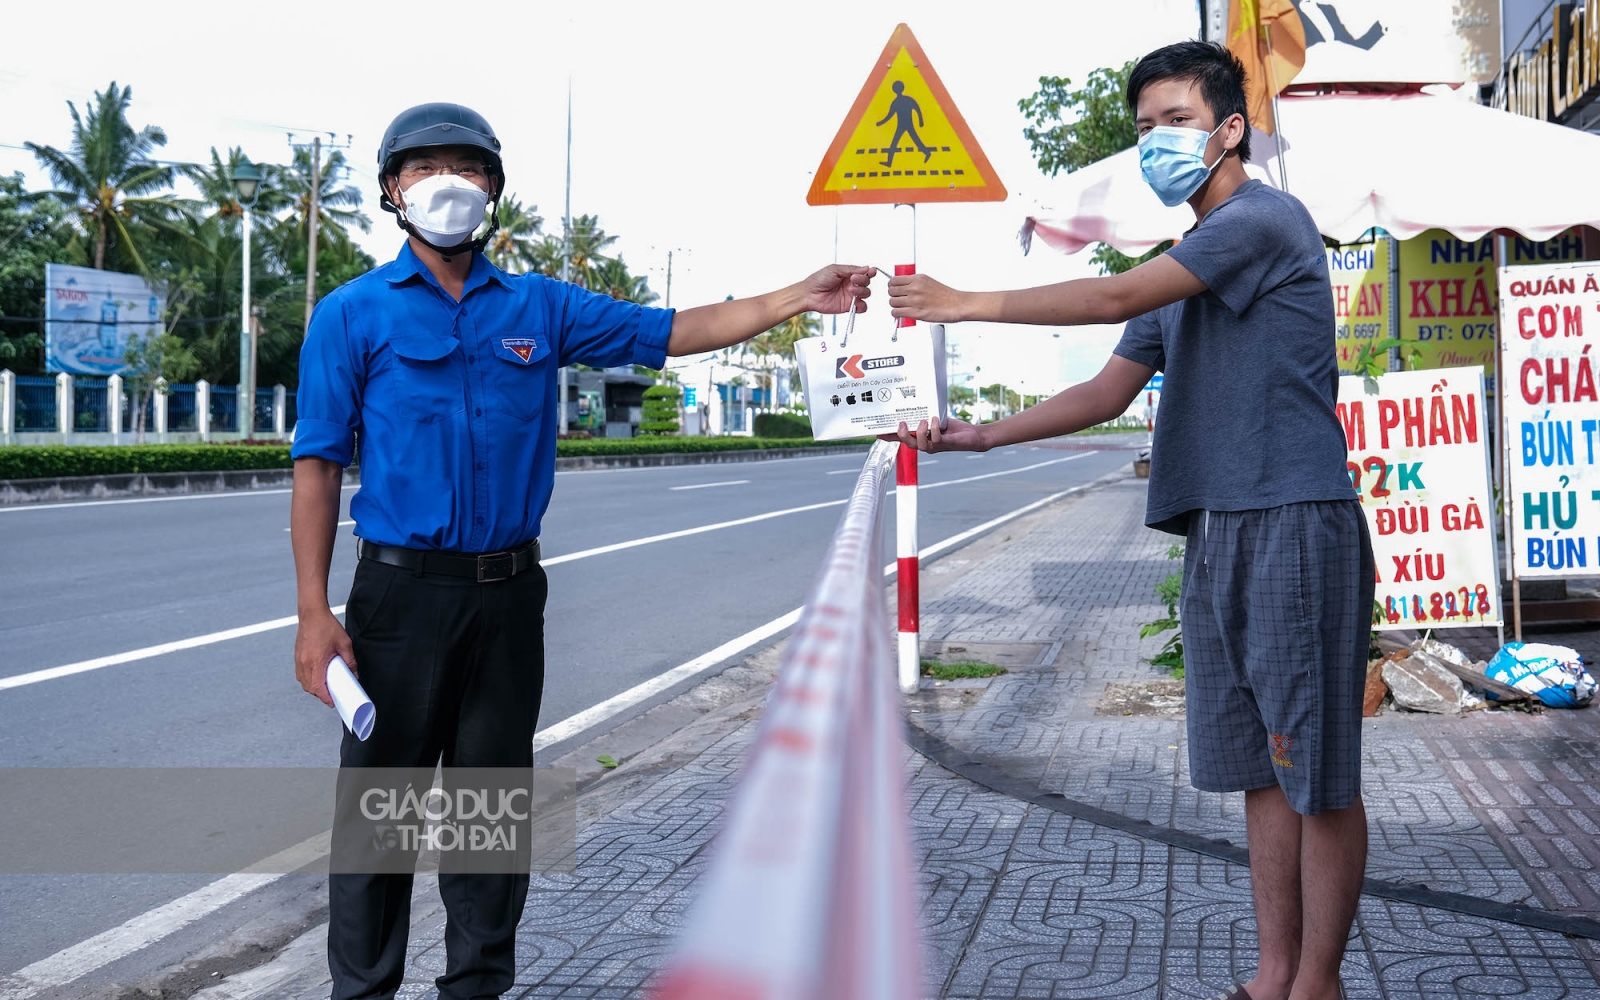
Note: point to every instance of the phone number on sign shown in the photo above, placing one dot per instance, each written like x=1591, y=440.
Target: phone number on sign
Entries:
x=1460, y=604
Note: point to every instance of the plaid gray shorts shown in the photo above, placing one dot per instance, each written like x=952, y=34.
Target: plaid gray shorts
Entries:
x=1277, y=613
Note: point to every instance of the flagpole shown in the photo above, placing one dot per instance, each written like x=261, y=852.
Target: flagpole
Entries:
x=1277, y=117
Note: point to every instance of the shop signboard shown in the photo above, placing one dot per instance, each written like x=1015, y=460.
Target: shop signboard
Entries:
x=1387, y=41
x=1551, y=315
x=1419, y=456
x=1359, y=275
x=1448, y=304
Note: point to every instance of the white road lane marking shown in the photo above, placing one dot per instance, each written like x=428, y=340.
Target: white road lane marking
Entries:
x=132, y=655
x=18, y=508
x=601, y=550
x=843, y=472
x=74, y=962
x=593, y=716
x=707, y=486
x=140, y=932
x=116, y=659
x=1007, y=472
x=341, y=524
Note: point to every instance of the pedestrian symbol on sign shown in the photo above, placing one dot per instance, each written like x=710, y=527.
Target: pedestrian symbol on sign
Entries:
x=901, y=109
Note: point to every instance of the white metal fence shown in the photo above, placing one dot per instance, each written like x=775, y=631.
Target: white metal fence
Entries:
x=67, y=409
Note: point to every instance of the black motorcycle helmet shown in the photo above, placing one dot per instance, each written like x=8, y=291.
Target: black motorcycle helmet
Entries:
x=431, y=125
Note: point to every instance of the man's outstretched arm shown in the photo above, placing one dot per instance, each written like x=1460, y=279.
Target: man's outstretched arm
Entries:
x=723, y=324
x=1114, y=299
x=1104, y=397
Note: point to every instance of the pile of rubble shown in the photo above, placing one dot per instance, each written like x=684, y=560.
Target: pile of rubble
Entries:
x=1433, y=676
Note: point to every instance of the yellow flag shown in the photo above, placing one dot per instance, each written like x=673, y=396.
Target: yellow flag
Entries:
x=1269, y=39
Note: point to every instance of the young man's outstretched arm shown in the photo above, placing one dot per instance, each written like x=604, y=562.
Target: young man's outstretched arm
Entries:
x=1113, y=299
x=1104, y=397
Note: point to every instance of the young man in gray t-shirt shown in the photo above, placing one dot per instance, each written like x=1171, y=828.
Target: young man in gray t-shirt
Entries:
x=1249, y=464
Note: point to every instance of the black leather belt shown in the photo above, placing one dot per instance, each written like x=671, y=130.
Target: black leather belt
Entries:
x=489, y=567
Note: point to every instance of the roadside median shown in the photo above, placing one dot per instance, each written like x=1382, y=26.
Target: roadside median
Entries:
x=52, y=473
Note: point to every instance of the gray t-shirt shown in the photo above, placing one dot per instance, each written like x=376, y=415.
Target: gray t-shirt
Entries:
x=1247, y=417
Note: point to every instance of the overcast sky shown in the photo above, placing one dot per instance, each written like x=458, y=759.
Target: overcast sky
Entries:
x=695, y=125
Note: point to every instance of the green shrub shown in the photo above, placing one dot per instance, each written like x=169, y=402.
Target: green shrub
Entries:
x=660, y=410
x=782, y=425
x=1169, y=591
x=52, y=461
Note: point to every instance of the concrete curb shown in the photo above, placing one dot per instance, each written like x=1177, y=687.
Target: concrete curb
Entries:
x=593, y=462
x=15, y=492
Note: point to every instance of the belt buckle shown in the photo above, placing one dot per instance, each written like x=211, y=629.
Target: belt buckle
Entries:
x=496, y=566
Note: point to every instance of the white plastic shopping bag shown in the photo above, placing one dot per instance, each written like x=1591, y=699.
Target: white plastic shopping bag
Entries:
x=867, y=383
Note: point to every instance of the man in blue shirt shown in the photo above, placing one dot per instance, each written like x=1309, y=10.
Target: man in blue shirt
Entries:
x=442, y=368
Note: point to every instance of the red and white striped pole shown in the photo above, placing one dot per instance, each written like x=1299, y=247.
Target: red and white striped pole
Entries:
x=908, y=565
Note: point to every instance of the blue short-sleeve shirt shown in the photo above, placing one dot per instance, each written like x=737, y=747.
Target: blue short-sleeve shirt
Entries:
x=1247, y=417
x=454, y=403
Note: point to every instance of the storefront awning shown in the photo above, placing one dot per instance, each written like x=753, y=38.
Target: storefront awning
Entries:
x=1405, y=163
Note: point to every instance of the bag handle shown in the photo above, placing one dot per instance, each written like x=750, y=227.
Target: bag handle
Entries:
x=850, y=322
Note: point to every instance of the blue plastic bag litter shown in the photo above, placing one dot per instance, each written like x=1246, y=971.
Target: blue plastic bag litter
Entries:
x=1553, y=674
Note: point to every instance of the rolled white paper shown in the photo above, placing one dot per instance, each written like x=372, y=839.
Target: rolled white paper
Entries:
x=350, y=699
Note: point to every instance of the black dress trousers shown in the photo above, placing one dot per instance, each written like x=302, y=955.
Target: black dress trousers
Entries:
x=455, y=669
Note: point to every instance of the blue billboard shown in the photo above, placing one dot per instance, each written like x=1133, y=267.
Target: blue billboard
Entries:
x=91, y=315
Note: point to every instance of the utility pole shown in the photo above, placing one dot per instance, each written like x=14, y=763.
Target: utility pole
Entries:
x=566, y=256
x=312, y=219
x=314, y=206
x=669, y=280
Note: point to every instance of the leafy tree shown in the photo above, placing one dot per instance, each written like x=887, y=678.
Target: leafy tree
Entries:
x=515, y=246
x=153, y=364
x=962, y=396
x=1069, y=129
x=33, y=232
x=108, y=178
x=777, y=344
x=1005, y=399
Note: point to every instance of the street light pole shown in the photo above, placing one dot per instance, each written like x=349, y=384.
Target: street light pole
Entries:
x=566, y=260
x=246, y=407
x=246, y=184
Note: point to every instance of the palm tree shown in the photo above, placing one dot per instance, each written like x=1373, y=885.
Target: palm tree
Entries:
x=613, y=278
x=108, y=178
x=516, y=244
x=219, y=200
x=338, y=203
x=586, y=249
x=777, y=344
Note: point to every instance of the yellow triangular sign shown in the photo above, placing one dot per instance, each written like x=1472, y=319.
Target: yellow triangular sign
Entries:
x=904, y=141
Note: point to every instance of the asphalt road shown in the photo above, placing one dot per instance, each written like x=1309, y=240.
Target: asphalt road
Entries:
x=91, y=580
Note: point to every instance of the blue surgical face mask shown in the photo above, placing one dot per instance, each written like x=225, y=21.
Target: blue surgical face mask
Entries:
x=1173, y=161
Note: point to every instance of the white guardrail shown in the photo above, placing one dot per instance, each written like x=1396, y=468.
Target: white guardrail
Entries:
x=811, y=893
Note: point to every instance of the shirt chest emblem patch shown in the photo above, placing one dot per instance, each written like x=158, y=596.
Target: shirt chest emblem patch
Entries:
x=522, y=347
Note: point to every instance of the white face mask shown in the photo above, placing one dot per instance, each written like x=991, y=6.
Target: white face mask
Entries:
x=444, y=208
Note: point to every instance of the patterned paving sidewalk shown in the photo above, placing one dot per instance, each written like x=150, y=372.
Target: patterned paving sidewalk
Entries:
x=1024, y=902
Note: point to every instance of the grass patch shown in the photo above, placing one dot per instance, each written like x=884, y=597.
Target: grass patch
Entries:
x=959, y=670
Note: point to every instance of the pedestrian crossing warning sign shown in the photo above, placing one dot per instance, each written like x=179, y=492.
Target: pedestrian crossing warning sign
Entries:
x=904, y=141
